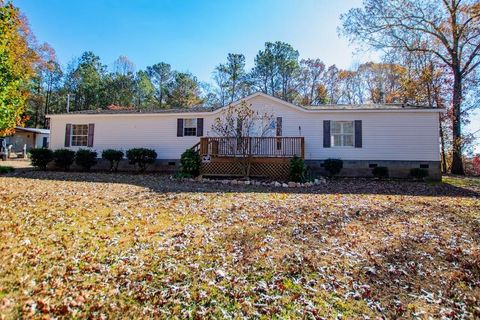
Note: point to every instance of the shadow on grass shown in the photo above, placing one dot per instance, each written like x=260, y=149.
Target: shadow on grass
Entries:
x=163, y=184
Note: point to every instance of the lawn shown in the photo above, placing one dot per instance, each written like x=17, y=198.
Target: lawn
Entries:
x=127, y=246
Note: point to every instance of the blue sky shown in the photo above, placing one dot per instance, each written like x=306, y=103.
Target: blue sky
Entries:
x=193, y=35
x=190, y=35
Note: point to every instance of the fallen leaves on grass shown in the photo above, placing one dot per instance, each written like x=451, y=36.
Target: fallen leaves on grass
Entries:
x=103, y=245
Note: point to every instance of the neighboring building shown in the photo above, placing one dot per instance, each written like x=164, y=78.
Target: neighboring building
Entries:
x=398, y=136
x=25, y=139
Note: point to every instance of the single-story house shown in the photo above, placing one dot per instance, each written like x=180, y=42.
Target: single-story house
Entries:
x=397, y=136
x=23, y=140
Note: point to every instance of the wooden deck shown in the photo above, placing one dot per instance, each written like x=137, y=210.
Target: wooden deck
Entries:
x=259, y=147
x=269, y=156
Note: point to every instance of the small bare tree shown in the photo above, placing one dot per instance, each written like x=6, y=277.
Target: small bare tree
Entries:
x=240, y=125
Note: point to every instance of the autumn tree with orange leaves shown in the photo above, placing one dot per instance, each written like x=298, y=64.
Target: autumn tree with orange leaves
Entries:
x=19, y=59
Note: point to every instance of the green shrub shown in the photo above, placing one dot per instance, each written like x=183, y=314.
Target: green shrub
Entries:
x=380, y=172
x=333, y=166
x=182, y=175
x=296, y=169
x=141, y=157
x=6, y=169
x=63, y=158
x=190, y=163
x=418, y=173
x=86, y=159
x=114, y=157
x=41, y=157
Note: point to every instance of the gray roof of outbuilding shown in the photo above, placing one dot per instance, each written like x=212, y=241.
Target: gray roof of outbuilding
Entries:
x=33, y=130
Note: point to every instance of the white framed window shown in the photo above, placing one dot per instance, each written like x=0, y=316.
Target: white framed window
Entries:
x=342, y=133
x=190, y=127
x=79, y=136
x=262, y=127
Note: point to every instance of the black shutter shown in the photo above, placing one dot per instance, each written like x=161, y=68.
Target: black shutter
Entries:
x=326, y=134
x=358, y=133
x=279, y=126
x=199, y=127
x=179, y=127
x=279, y=132
x=91, y=132
x=68, y=132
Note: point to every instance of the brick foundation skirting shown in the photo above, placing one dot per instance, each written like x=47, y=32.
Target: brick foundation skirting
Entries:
x=278, y=168
x=363, y=168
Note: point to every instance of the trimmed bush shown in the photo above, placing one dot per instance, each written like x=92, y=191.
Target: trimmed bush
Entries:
x=296, y=169
x=141, y=157
x=190, y=163
x=6, y=169
x=333, y=166
x=418, y=173
x=114, y=157
x=380, y=172
x=181, y=175
x=63, y=158
x=41, y=157
x=86, y=159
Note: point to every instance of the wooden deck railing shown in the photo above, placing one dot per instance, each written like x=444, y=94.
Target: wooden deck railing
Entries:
x=267, y=147
x=196, y=147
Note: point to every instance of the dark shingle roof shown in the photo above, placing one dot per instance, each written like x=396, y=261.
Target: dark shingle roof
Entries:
x=200, y=108
x=204, y=109
x=368, y=106
x=144, y=110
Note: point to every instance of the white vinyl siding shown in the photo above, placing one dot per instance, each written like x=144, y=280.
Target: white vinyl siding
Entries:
x=391, y=135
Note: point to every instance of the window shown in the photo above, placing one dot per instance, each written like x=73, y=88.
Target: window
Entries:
x=342, y=133
x=79, y=135
x=262, y=127
x=190, y=127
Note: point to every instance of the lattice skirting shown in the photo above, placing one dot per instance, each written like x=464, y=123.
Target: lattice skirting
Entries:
x=267, y=168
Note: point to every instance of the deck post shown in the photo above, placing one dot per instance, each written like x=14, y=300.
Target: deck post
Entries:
x=203, y=146
x=302, y=147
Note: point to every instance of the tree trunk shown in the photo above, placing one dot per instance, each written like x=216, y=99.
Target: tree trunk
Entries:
x=442, y=150
x=47, y=104
x=161, y=95
x=457, y=161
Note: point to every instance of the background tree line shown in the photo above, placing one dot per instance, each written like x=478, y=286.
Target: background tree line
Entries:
x=430, y=56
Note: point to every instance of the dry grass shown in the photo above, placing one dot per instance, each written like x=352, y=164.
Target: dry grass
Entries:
x=128, y=246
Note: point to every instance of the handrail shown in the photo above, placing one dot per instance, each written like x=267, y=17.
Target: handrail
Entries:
x=196, y=147
x=269, y=147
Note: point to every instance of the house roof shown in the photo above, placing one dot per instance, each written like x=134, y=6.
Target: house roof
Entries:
x=144, y=110
x=33, y=130
x=312, y=108
x=368, y=106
